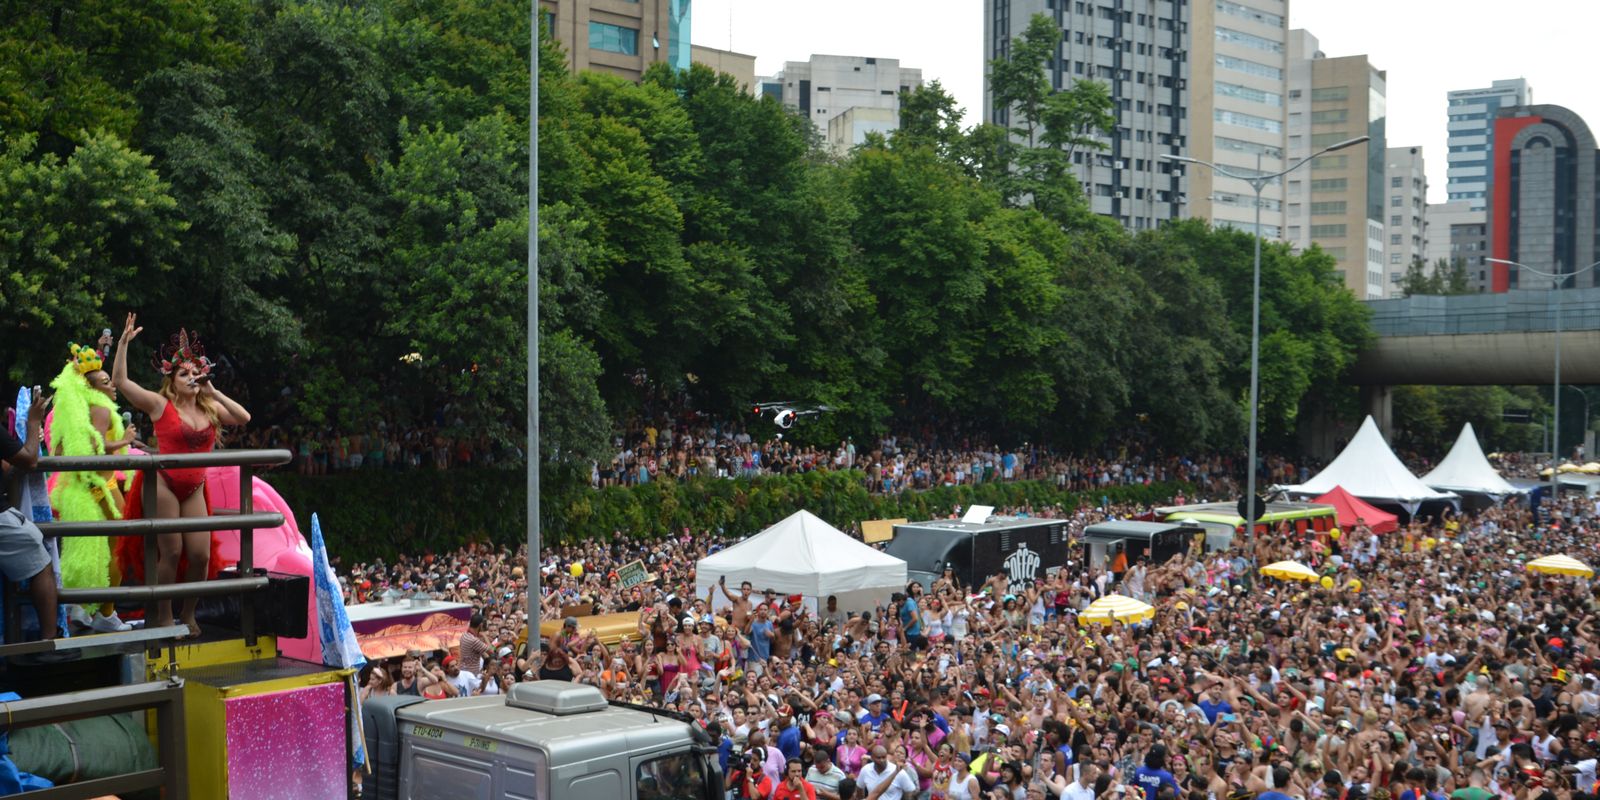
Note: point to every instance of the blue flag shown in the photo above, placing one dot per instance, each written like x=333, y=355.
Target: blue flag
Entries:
x=339, y=645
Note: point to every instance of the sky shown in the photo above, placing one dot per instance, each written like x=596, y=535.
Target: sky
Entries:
x=1427, y=47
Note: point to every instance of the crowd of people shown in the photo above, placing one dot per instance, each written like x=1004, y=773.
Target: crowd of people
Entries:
x=1435, y=666
x=691, y=446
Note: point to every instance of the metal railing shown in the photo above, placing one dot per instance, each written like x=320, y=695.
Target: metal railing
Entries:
x=165, y=698
x=246, y=520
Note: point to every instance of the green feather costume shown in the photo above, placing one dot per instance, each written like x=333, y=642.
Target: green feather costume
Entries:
x=79, y=496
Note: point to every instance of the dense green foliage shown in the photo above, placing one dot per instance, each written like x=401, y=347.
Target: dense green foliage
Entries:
x=335, y=196
x=1445, y=277
x=417, y=512
x=1428, y=418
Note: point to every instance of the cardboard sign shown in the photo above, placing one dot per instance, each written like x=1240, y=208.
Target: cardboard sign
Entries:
x=632, y=574
x=879, y=530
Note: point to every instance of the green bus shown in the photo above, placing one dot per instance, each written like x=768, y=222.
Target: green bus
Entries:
x=1223, y=522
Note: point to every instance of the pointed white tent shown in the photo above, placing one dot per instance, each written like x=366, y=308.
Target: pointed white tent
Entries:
x=804, y=555
x=1465, y=469
x=1368, y=469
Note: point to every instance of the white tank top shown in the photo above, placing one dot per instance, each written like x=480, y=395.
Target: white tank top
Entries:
x=1541, y=747
x=961, y=790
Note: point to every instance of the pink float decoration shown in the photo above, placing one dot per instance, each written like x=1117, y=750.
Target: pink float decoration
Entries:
x=280, y=549
x=288, y=745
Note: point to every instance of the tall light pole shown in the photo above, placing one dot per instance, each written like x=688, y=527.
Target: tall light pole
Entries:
x=1258, y=182
x=1558, y=285
x=531, y=566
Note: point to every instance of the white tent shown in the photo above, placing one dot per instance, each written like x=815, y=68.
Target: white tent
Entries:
x=806, y=556
x=1368, y=469
x=1465, y=469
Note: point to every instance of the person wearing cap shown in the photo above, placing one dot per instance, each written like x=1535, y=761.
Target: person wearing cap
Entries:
x=874, y=715
x=465, y=683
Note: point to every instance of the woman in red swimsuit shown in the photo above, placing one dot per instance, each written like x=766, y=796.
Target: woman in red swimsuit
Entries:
x=187, y=412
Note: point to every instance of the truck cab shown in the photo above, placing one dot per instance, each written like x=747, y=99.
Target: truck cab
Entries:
x=542, y=740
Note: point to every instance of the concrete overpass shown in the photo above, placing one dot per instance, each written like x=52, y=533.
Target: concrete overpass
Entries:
x=1477, y=339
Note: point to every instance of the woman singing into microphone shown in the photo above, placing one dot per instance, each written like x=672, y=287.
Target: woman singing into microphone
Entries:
x=187, y=412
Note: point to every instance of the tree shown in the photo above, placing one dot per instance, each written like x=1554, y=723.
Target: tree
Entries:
x=1078, y=117
x=1445, y=277
x=78, y=236
x=1312, y=327
x=1419, y=279
x=1456, y=280
x=930, y=117
x=1017, y=79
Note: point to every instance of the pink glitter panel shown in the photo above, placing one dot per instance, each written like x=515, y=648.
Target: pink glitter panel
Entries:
x=288, y=745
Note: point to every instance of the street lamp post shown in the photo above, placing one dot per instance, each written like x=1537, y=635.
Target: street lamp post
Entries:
x=1558, y=284
x=1258, y=182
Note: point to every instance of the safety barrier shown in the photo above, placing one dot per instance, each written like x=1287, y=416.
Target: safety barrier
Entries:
x=165, y=698
x=245, y=520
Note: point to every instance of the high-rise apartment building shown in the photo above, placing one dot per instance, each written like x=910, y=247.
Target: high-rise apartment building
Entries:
x=1238, y=84
x=623, y=38
x=1458, y=232
x=845, y=97
x=1471, y=143
x=1405, y=208
x=1545, y=197
x=1338, y=201
x=1140, y=50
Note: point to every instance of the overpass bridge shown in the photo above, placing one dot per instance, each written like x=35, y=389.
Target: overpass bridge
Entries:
x=1477, y=339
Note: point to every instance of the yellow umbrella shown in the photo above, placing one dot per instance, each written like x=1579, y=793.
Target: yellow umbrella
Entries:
x=1289, y=571
x=1116, y=608
x=1560, y=565
x=1591, y=468
x=1569, y=467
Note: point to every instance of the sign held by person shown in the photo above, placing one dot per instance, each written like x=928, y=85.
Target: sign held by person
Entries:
x=632, y=574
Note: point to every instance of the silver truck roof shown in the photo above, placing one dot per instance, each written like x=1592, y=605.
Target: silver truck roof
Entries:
x=571, y=722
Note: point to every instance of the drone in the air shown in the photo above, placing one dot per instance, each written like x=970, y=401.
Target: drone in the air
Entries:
x=785, y=414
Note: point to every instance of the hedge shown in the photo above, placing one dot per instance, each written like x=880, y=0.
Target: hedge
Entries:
x=369, y=514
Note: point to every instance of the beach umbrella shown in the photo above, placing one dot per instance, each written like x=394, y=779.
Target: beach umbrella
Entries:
x=1560, y=565
x=1289, y=571
x=1116, y=608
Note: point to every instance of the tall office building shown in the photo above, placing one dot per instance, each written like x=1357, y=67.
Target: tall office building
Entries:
x=1472, y=114
x=1238, y=82
x=741, y=66
x=621, y=37
x=1406, y=207
x=1545, y=197
x=1338, y=202
x=1139, y=49
x=1457, y=231
x=845, y=97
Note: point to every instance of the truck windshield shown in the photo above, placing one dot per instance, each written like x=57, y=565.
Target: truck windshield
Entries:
x=679, y=776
